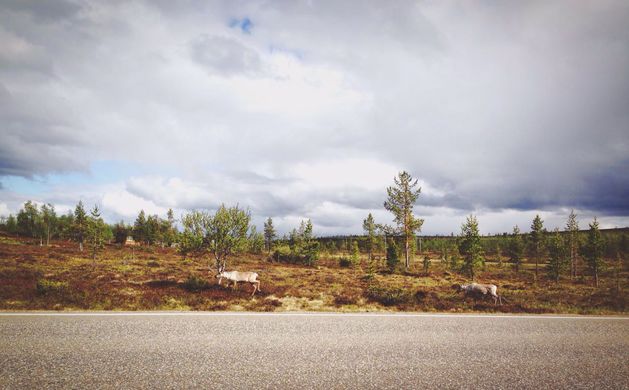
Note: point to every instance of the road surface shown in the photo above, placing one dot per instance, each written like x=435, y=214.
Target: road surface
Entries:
x=321, y=351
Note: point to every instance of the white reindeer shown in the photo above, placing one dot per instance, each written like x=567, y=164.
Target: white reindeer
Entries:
x=477, y=289
x=236, y=276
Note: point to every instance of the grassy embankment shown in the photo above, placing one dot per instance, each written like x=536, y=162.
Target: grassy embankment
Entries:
x=60, y=277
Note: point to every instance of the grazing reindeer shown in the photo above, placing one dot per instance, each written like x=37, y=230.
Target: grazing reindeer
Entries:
x=476, y=289
x=235, y=277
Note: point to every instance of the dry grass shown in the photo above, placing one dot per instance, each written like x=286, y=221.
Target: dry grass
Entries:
x=60, y=277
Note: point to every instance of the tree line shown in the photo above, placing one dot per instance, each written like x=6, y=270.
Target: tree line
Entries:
x=229, y=230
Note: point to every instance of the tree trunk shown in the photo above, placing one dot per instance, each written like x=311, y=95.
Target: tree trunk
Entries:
x=81, y=246
x=596, y=276
x=407, y=248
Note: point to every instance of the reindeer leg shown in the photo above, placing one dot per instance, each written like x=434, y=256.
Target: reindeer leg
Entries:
x=254, y=288
x=235, y=285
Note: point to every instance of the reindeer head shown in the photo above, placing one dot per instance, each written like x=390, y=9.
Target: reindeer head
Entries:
x=220, y=271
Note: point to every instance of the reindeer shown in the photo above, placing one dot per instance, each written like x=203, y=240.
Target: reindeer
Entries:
x=236, y=276
x=476, y=290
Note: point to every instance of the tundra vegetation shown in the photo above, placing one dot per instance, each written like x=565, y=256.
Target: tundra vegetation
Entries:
x=173, y=264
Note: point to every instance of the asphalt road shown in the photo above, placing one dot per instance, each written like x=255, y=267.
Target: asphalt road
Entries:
x=298, y=351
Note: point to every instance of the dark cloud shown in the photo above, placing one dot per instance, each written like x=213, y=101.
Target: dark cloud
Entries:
x=43, y=11
x=512, y=106
x=35, y=140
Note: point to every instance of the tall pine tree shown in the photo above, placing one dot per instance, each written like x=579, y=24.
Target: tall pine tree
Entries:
x=516, y=249
x=572, y=227
x=470, y=246
x=400, y=200
x=537, y=242
x=593, y=250
x=95, y=232
x=369, y=226
x=557, y=259
x=140, y=228
x=269, y=234
x=80, y=224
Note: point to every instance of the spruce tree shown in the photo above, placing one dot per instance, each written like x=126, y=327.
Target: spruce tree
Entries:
x=537, y=242
x=369, y=226
x=400, y=200
x=121, y=231
x=80, y=224
x=593, y=250
x=557, y=252
x=139, y=228
x=269, y=234
x=572, y=227
x=516, y=248
x=355, y=253
x=95, y=232
x=470, y=246
x=426, y=264
x=392, y=255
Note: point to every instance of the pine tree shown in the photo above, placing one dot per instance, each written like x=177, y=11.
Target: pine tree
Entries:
x=80, y=224
x=593, y=250
x=355, y=253
x=572, y=227
x=269, y=234
x=369, y=226
x=121, y=231
x=95, y=232
x=470, y=246
x=139, y=228
x=392, y=255
x=557, y=252
x=537, y=242
x=400, y=200
x=426, y=264
x=516, y=249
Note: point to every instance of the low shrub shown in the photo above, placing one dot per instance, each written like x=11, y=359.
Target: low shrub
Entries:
x=306, y=255
x=345, y=262
x=387, y=296
x=345, y=299
x=194, y=283
x=45, y=286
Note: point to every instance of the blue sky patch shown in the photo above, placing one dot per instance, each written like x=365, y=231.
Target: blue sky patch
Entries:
x=245, y=25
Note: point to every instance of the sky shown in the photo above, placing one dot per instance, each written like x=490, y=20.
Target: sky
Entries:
x=308, y=109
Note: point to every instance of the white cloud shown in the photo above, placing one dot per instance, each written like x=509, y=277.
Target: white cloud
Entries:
x=4, y=210
x=128, y=205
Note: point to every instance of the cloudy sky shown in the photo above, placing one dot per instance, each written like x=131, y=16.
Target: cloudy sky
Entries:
x=308, y=109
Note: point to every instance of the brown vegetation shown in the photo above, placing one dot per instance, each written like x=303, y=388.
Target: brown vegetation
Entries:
x=60, y=277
